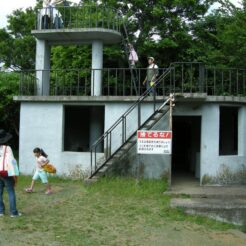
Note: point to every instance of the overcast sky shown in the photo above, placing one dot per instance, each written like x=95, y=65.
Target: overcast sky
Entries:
x=10, y=5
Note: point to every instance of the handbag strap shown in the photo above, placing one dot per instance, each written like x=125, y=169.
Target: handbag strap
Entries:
x=4, y=155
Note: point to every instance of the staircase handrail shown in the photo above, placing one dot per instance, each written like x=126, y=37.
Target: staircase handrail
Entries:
x=133, y=106
x=122, y=119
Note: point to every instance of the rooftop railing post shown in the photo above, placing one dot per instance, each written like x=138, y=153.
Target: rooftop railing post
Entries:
x=244, y=82
x=182, y=86
x=191, y=77
x=214, y=82
x=237, y=92
x=174, y=74
x=201, y=77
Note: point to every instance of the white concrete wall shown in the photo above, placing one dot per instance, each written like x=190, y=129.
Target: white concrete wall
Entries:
x=221, y=169
x=41, y=125
x=114, y=110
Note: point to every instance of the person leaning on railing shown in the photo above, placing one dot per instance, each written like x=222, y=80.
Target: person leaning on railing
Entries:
x=50, y=16
x=152, y=73
x=45, y=14
x=56, y=16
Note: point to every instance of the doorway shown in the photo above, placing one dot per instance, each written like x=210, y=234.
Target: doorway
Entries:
x=186, y=146
x=83, y=125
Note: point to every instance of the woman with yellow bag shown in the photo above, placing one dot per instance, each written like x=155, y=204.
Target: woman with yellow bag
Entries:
x=152, y=73
x=42, y=168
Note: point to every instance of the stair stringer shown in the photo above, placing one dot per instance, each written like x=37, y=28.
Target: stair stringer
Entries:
x=132, y=164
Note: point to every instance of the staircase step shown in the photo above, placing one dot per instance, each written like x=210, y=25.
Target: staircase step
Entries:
x=103, y=169
x=109, y=163
x=148, y=126
x=157, y=117
x=163, y=110
x=226, y=210
x=89, y=181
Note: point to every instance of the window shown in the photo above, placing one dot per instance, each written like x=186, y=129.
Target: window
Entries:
x=228, y=142
x=83, y=126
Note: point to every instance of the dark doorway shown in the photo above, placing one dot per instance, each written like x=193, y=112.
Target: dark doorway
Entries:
x=228, y=131
x=83, y=125
x=186, y=145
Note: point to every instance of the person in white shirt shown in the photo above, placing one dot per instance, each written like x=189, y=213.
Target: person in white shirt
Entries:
x=8, y=174
x=41, y=160
x=133, y=56
x=50, y=17
x=152, y=73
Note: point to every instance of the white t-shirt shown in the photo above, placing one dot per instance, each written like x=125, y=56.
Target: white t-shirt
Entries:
x=41, y=160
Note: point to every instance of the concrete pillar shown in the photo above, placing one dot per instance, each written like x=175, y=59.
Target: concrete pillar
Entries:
x=42, y=67
x=97, y=63
x=242, y=131
x=210, y=139
x=96, y=126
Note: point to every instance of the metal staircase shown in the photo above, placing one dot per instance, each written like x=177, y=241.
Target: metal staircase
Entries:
x=112, y=152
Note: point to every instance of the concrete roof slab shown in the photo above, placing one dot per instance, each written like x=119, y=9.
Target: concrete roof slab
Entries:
x=78, y=35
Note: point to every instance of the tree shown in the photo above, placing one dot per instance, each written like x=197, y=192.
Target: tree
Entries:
x=219, y=38
x=162, y=26
x=17, y=45
x=9, y=109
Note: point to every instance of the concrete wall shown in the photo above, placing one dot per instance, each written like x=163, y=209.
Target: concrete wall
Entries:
x=215, y=168
x=41, y=124
x=145, y=166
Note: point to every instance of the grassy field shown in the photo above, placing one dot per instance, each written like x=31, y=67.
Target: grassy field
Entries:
x=110, y=212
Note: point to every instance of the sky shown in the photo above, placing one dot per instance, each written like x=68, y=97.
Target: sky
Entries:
x=10, y=5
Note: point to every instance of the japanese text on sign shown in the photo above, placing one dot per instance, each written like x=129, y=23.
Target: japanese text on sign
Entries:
x=154, y=142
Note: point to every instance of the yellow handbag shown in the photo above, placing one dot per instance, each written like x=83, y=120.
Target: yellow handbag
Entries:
x=49, y=168
x=152, y=83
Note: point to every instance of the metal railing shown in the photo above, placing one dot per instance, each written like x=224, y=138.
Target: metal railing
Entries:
x=185, y=77
x=77, y=82
x=119, y=133
x=66, y=17
x=195, y=77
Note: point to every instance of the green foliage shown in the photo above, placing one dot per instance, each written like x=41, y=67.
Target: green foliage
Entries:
x=129, y=187
x=17, y=45
x=9, y=109
x=168, y=30
x=220, y=37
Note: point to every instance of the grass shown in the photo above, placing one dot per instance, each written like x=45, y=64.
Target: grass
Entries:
x=112, y=211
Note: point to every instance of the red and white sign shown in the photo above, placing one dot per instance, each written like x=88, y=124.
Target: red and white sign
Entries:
x=154, y=142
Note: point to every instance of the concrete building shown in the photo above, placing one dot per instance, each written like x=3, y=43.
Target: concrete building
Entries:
x=67, y=118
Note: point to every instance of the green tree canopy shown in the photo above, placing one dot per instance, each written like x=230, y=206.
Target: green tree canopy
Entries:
x=17, y=45
x=168, y=30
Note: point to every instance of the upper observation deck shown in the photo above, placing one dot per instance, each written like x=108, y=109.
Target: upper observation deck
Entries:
x=76, y=25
